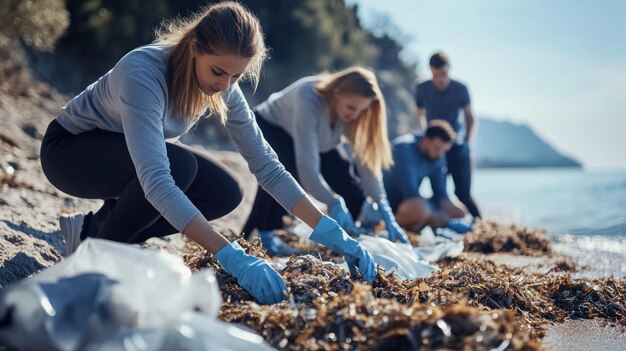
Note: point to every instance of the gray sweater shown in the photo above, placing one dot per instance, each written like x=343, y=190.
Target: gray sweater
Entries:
x=132, y=98
x=304, y=115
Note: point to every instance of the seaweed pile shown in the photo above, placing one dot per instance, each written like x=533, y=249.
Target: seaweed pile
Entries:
x=329, y=322
x=490, y=237
x=468, y=303
x=565, y=264
x=536, y=298
x=304, y=247
x=326, y=310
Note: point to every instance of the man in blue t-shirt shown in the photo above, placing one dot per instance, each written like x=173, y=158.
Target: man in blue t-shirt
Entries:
x=415, y=158
x=442, y=98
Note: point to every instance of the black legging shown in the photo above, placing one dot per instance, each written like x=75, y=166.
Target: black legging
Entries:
x=97, y=165
x=267, y=214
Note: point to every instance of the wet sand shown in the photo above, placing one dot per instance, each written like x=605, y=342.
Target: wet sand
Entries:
x=584, y=335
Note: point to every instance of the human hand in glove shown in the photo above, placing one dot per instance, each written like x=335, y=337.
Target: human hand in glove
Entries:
x=458, y=225
x=339, y=212
x=370, y=215
x=273, y=245
x=330, y=234
x=395, y=232
x=253, y=274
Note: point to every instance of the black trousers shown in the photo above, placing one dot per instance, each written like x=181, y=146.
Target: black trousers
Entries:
x=97, y=165
x=267, y=214
x=460, y=167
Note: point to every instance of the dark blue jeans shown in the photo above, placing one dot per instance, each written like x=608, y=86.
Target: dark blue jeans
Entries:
x=460, y=167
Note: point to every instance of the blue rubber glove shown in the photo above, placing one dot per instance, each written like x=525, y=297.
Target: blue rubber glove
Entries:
x=370, y=216
x=253, y=274
x=395, y=232
x=274, y=245
x=459, y=225
x=329, y=233
x=339, y=212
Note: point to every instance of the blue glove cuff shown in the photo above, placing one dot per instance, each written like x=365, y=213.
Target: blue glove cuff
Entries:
x=336, y=206
x=228, y=256
x=325, y=226
x=328, y=233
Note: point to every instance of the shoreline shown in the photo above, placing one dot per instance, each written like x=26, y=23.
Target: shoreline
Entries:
x=30, y=241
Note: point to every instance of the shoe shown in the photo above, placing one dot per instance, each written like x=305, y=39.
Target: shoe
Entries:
x=71, y=227
x=273, y=245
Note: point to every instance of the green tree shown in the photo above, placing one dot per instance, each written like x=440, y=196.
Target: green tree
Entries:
x=39, y=23
x=307, y=37
x=102, y=31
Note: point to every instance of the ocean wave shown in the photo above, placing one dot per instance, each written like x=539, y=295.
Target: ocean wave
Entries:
x=592, y=243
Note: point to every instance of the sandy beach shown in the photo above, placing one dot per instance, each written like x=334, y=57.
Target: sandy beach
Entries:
x=29, y=208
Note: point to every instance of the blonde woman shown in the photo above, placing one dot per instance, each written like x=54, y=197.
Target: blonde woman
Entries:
x=305, y=123
x=112, y=142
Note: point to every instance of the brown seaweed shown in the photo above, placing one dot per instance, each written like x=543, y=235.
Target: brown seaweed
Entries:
x=490, y=237
x=466, y=304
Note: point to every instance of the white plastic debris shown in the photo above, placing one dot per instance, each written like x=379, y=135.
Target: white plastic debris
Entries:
x=407, y=261
x=141, y=300
x=193, y=332
x=440, y=250
x=157, y=285
x=397, y=257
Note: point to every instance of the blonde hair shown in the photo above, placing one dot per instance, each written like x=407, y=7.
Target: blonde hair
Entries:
x=226, y=28
x=367, y=135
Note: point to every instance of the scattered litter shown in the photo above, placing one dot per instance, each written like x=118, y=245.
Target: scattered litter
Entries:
x=108, y=296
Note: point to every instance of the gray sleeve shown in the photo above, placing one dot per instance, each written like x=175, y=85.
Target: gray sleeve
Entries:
x=261, y=158
x=372, y=187
x=307, y=154
x=141, y=102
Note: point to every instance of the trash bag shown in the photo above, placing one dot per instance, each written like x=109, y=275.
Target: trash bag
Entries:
x=407, y=261
x=194, y=333
x=55, y=316
x=108, y=292
x=157, y=284
x=440, y=250
x=397, y=257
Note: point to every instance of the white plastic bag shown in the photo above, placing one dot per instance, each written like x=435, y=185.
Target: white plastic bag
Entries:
x=193, y=333
x=407, y=261
x=156, y=285
x=141, y=300
x=440, y=250
x=397, y=257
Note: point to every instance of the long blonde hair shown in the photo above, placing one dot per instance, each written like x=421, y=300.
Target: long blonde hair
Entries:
x=226, y=28
x=367, y=135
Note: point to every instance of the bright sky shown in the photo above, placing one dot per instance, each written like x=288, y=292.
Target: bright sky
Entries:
x=558, y=66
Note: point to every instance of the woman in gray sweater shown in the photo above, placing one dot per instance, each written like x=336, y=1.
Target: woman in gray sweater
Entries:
x=114, y=141
x=305, y=124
